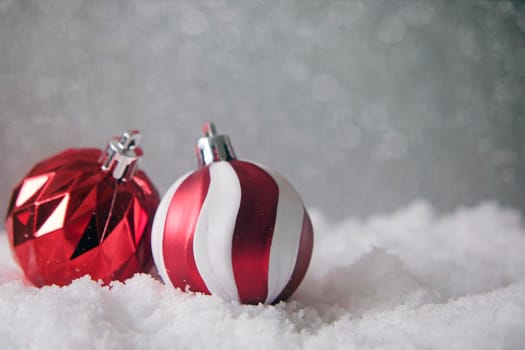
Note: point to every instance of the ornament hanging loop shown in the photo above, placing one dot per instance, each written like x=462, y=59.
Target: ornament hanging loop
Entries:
x=209, y=129
x=122, y=154
x=212, y=147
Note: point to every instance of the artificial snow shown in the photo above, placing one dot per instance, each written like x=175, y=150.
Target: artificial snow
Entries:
x=410, y=279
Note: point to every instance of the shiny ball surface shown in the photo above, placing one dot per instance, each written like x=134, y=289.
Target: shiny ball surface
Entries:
x=233, y=229
x=68, y=218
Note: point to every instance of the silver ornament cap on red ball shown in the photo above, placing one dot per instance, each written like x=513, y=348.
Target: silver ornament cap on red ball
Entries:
x=212, y=147
x=122, y=155
x=232, y=228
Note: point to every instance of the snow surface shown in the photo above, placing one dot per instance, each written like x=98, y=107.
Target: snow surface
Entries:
x=410, y=279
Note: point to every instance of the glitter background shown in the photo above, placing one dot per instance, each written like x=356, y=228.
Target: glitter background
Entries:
x=364, y=105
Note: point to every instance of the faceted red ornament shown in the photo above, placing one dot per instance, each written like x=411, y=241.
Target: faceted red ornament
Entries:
x=68, y=218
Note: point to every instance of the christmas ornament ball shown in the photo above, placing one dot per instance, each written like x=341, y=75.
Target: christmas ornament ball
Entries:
x=84, y=211
x=232, y=228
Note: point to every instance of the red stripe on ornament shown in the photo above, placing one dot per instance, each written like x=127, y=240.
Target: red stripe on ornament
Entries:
x=252, y=237
x=304, y=254
x=181, y=219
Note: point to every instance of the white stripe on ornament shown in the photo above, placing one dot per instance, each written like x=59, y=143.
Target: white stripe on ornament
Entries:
x=157, y=230
x=212, y=240
x=286, y=236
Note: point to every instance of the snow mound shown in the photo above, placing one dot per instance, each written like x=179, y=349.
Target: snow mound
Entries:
x=409, y=279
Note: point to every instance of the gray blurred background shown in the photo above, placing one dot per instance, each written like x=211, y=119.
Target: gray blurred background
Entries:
x=364, y=105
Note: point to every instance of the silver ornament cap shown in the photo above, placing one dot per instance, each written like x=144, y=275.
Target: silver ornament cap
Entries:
x=122, y=154
x=212, y=147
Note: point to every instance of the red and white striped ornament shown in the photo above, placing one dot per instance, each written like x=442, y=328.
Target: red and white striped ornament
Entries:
x=232, y=228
